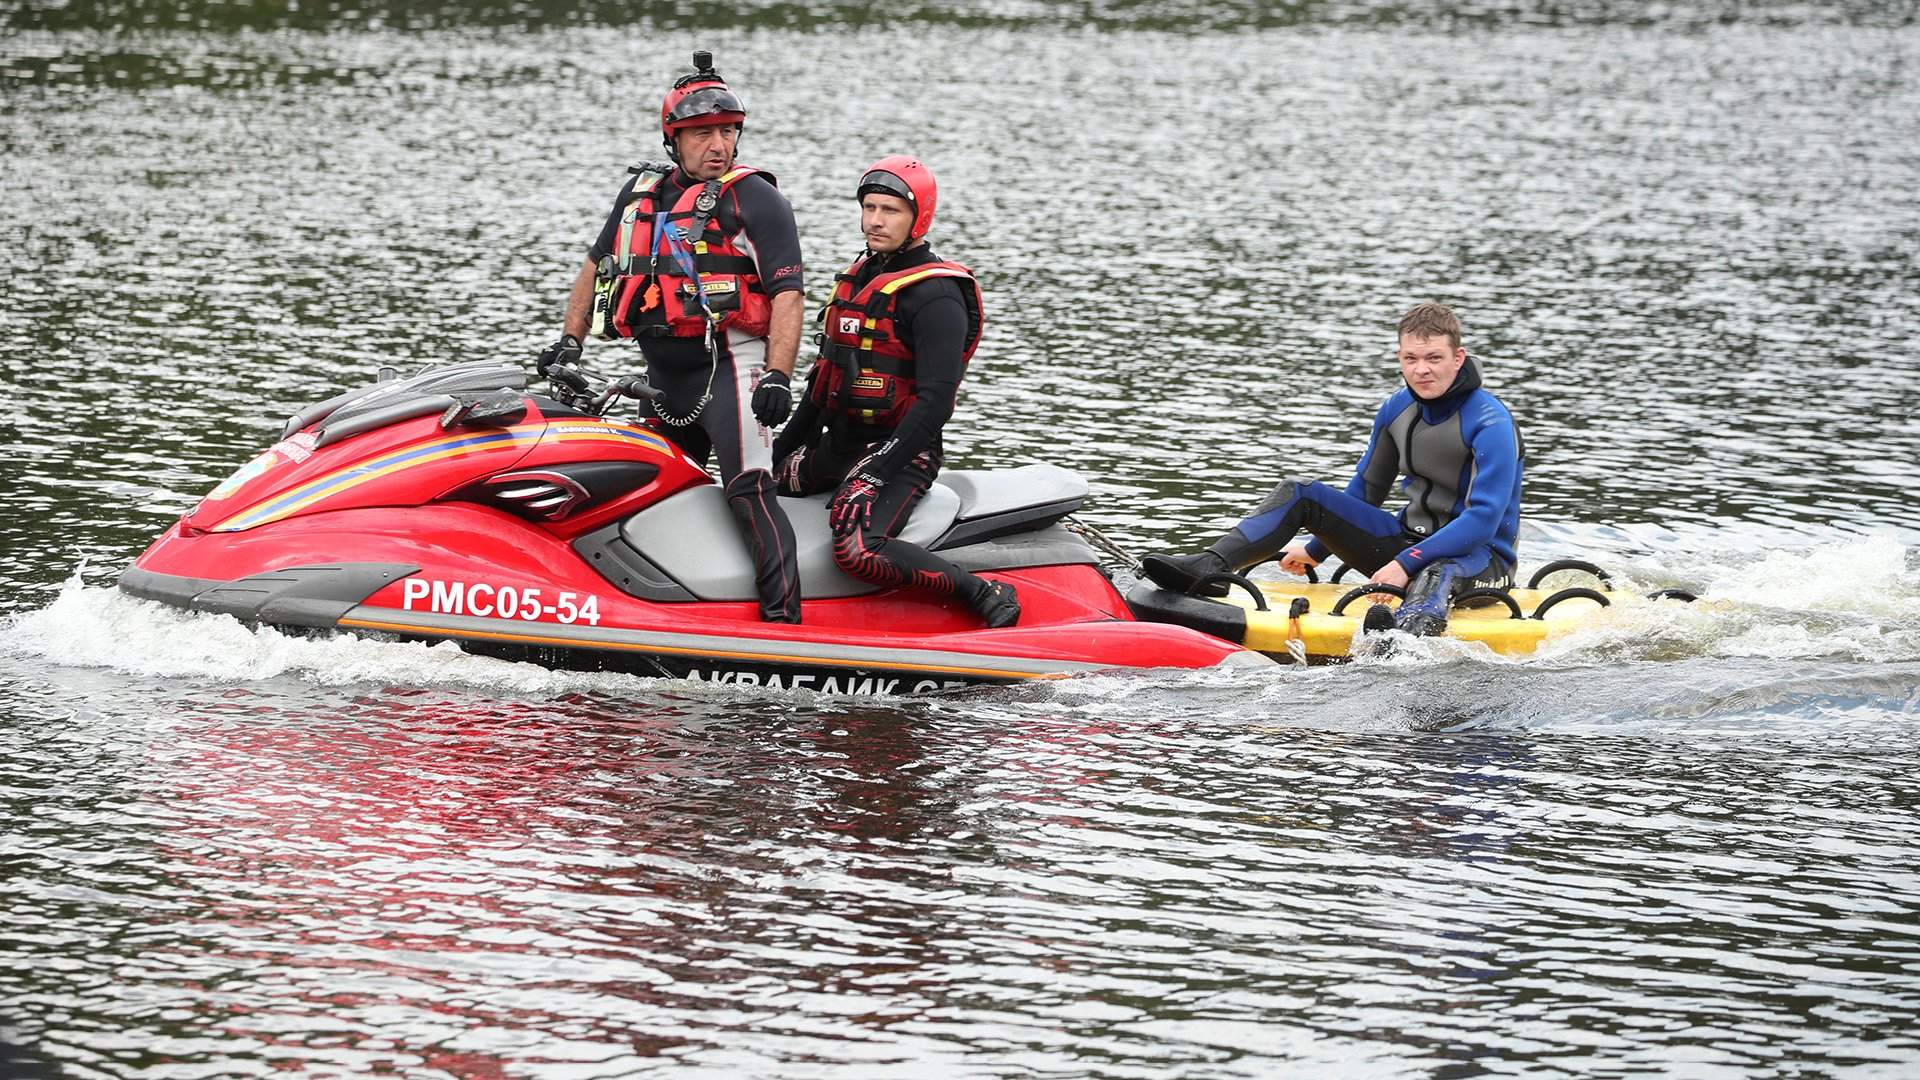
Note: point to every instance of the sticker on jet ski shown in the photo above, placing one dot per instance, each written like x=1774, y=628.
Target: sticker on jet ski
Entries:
x=497, y=601
x=850, y=685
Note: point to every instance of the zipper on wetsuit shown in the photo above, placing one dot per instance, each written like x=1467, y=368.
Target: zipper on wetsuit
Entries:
x=1425, y=493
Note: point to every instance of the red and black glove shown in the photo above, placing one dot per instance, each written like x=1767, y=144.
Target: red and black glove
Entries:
x=853, y=505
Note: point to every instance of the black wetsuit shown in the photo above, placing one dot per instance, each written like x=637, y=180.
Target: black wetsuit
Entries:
x=824, y=449
x=754, y=212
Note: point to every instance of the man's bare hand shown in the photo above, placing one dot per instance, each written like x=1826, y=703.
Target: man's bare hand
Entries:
x=1391, y=574
x=1295, y=560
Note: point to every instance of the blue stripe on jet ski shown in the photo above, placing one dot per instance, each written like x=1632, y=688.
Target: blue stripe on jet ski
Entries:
x=318, y=489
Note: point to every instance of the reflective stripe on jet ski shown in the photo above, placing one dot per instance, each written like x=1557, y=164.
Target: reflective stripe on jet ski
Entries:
x=753, y=650
x=292, y=502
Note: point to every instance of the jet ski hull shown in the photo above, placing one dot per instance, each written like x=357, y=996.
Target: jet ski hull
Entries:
x=499, y=587
x=454, y=505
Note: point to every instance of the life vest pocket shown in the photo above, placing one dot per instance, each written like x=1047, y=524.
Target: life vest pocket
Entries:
x=723, y=295
x=873, y=395
x=633, y=296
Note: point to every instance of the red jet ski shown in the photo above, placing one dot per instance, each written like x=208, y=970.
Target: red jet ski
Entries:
x=455, y=505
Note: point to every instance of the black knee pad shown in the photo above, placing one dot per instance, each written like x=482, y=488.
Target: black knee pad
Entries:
x=1282, y=494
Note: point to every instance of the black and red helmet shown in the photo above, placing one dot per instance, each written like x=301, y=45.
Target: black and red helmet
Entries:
x=701, y=99
x=904, y=177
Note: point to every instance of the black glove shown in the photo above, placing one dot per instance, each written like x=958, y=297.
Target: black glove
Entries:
x=773, y=398
x=564, y=351
x=852, y=507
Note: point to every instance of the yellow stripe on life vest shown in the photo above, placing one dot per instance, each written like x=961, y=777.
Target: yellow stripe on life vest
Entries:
x=909, y=279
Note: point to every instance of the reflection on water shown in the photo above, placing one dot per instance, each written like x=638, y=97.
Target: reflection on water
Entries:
x=1682, y=240
x=431, y=883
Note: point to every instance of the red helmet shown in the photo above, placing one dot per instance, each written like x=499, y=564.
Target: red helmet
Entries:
x=701, y=99
x=904, y=177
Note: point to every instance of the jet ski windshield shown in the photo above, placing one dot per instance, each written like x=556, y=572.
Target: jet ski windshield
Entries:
x=417, y=395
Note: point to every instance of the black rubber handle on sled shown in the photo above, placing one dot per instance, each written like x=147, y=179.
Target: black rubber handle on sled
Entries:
x=1606, y=579
x=1672, y=594
x=1369, y=589
x=1570, y=594
x=1231, y=578
x=1490, y=593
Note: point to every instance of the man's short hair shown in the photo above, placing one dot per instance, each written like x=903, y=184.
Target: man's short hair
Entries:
x=1431, y=320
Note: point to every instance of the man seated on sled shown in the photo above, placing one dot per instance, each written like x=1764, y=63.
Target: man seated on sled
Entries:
x=1462, y=457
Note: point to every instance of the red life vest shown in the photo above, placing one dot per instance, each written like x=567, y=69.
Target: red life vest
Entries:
x=866, y=372
x=647, y=271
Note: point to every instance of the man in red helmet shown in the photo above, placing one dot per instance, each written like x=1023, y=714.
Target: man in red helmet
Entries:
x=700, y=263
x=898, y=333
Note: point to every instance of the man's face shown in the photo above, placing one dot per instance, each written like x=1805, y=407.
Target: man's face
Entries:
x=1429, y=364
x=885, y=220
x=706, y=153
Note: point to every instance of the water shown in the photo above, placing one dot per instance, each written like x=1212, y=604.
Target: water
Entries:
x=1680, y=843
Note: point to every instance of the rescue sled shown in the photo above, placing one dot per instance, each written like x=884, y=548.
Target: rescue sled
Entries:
x=455, y=505
x=1318, y=621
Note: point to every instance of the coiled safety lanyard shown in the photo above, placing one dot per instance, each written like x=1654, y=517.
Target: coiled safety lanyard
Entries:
x=674, y=239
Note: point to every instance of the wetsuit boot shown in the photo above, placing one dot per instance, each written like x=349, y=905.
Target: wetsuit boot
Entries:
x=1429, y=596
x=776, y=567
x=1231, y=553
x=1184, y=573
x=1373, y=632
x=1421, y=624
x=1379, y=619
x=997, y=604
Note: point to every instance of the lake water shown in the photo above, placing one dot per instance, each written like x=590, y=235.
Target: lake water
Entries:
x=1683, y=242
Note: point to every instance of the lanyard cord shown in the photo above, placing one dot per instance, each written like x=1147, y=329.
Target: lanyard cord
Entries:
x=674, y=240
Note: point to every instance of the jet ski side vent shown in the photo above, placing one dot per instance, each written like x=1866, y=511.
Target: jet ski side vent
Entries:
x=540, y=494
x=557, y=492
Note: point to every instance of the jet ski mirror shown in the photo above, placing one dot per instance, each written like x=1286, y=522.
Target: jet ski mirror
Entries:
x=501, y=408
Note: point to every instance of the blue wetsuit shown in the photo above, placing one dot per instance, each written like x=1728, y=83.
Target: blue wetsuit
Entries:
x=1462, y=457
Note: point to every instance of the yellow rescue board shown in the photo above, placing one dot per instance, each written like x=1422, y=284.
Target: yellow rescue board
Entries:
x=1326, y=635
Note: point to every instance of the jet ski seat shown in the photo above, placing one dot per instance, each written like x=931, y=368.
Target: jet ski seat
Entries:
x=688, y=547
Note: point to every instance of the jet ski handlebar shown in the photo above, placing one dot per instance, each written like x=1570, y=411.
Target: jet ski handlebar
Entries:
x=574, y=387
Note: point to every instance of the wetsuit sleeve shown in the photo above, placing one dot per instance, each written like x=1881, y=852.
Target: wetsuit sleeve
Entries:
x=610, y=231
x=1373, y=478
x=1496, y=462
x=801, y=429
x=767, y=218
x=939, y=334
